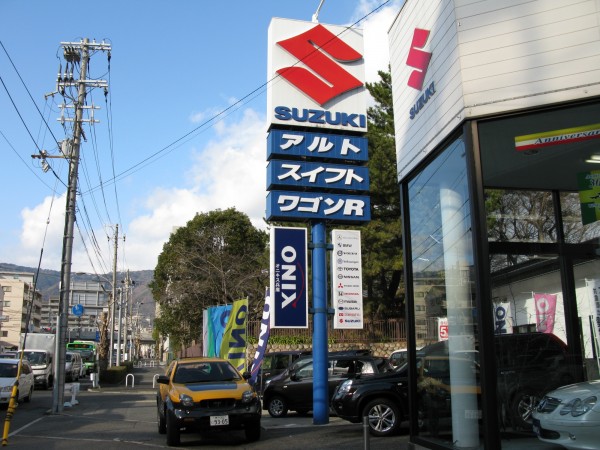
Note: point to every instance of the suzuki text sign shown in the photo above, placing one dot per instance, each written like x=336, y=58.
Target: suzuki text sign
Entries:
x=316, y=76
x=289, y=299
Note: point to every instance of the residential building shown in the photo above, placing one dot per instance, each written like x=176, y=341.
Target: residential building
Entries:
x=20, y=308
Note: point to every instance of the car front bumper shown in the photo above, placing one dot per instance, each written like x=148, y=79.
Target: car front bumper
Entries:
x=238, y=418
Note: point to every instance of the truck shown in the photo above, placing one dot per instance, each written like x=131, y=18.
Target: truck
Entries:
x=39, y=349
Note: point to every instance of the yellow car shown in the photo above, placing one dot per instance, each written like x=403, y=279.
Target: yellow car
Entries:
x=198, y=394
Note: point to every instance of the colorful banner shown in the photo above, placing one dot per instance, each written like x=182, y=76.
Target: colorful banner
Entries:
x=556, y=137
x=217, y=320
x=233, y=346
x=263, y=339
x=545, y=309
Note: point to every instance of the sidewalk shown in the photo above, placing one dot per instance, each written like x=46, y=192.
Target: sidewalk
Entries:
x=140, y=378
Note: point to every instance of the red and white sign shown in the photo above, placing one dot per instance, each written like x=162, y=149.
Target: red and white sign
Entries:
x=443, y=328
x=316, y=76
x=545, y=309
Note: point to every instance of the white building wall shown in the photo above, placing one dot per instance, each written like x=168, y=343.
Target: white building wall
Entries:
x=490, y=56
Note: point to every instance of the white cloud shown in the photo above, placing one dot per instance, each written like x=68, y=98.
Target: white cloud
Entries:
x=230, y=171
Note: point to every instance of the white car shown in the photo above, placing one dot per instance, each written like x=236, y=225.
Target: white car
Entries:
x=570, y=416
x=8, y=376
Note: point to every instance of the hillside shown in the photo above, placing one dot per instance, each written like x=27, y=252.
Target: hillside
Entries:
x=48, y=283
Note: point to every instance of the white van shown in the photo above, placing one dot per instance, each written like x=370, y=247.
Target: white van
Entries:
x=41, y=363
x=73, y=366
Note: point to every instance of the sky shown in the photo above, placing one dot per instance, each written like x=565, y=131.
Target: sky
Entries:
x=182, y=130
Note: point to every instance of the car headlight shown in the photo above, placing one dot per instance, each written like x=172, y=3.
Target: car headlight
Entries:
x=345, y=387
x=577, y=407
x=186, y=400
x=248, y=396
x=7, y=388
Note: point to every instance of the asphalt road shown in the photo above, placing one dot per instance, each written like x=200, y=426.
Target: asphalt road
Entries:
x=120, y=417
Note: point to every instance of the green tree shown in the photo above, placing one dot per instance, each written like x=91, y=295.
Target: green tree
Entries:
x=218, y=257
x=382, y=237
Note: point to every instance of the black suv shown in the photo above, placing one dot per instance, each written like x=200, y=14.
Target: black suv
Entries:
x=293, y=389
x=529, y=365
x=275, y=363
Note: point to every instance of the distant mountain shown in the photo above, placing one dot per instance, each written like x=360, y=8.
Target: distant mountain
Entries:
x=48, y=282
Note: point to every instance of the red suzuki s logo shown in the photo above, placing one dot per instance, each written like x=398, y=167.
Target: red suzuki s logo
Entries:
x=312, y=48
x=418, y=58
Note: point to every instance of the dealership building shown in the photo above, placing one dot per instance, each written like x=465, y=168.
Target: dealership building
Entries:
x=497, y=119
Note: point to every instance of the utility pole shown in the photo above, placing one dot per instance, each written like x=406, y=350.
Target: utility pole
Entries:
x=75, y=54
x=114, y=300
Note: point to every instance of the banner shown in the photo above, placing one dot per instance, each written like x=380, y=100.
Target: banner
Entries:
x=502, y=319
x=217, y=320
x=263, y=339
x=545, y=308
x=289, y=278
x=233, y=346
x=206, y=333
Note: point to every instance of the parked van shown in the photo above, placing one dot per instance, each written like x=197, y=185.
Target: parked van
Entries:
x=73, y=366
x=41, y=363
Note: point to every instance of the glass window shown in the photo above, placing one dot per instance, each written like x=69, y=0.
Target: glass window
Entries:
x=520, y=216
x=574, y=229
x=444, y=303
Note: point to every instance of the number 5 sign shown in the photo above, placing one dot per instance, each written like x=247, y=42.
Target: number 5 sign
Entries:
x=443, y=328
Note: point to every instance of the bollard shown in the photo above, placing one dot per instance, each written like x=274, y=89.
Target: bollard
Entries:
x=154, y=380
x=74, y=391
x=94, y=379
x=367, y=444
x=132, y=380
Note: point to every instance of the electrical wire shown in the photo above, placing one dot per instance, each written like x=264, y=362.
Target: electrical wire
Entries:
x=223, y=113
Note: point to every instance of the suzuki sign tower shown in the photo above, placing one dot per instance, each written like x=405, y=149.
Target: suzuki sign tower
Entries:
x=316, y=152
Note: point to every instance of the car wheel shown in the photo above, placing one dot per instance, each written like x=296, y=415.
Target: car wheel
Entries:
x=383, y=416
x=173, y=432
x=522, y=407
x=28, y=398
x=162, y=423
x=277, y=407
x=252, y=431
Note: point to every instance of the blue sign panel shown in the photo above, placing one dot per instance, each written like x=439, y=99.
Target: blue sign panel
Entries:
x=77, y=309
x=287, y=143
x=289, y=205
x=312, y=175
x=289, y=278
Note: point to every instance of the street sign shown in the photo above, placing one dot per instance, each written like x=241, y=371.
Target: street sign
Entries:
x=77, y=310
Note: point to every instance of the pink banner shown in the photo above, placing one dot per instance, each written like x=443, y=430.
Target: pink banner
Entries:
x=545, y=308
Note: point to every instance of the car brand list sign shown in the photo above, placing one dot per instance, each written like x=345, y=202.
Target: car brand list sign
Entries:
x=346, y=283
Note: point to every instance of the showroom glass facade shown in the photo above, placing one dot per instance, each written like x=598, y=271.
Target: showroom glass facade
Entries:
x=495, y=229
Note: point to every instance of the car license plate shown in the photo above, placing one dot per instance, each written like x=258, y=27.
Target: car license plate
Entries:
x=215, y=421
x=536, y=427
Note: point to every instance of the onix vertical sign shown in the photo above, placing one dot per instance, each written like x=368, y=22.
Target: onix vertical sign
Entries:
x=289, y=281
